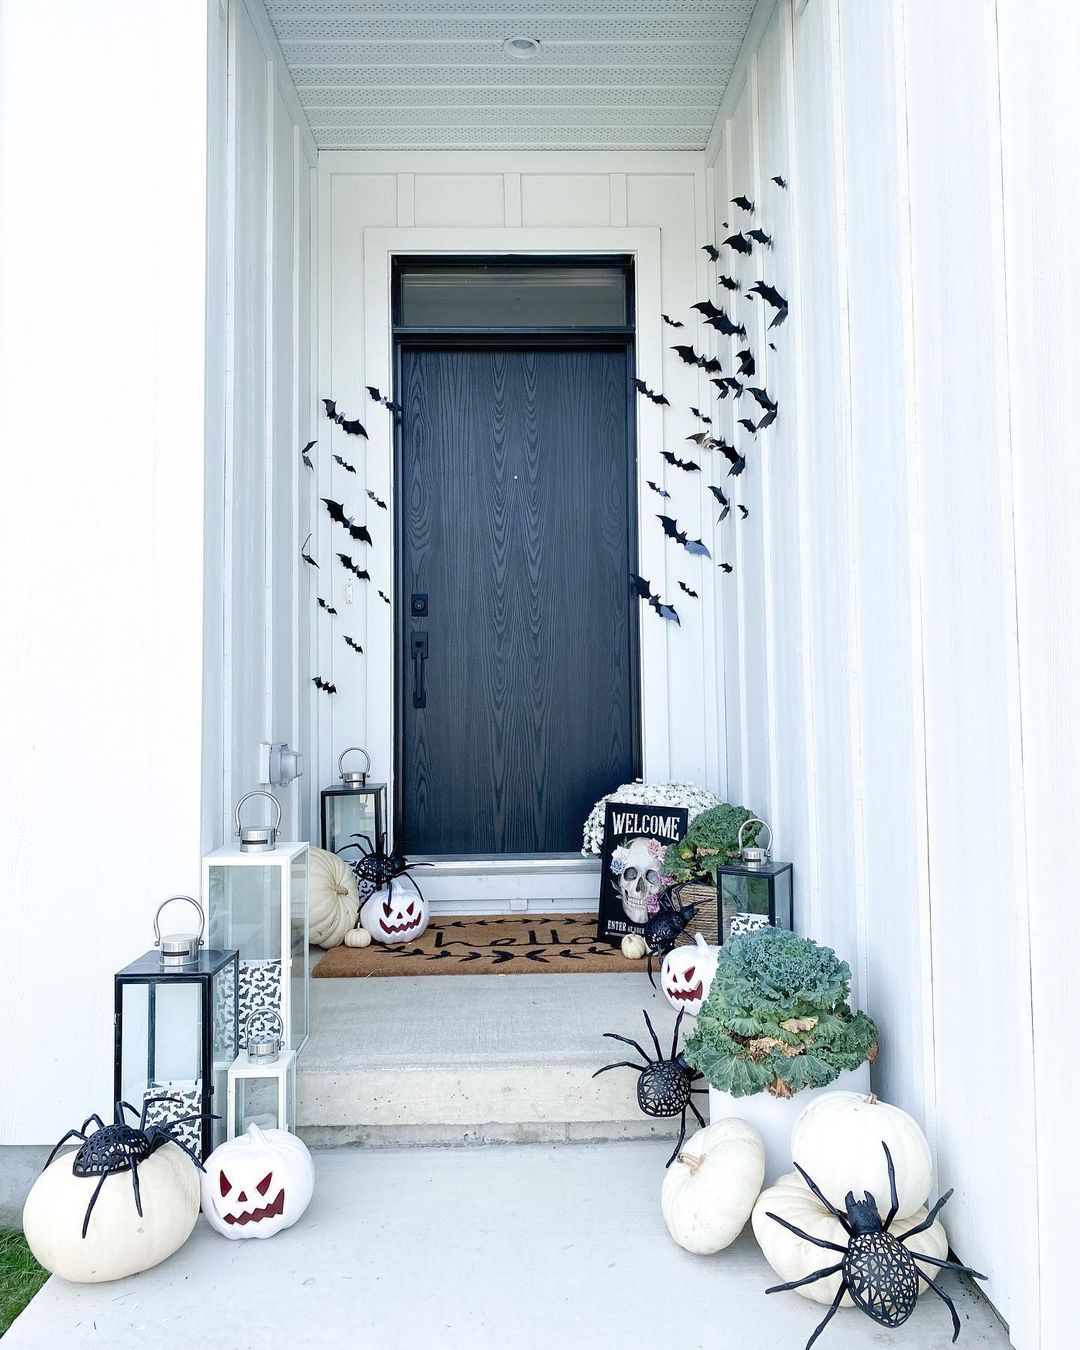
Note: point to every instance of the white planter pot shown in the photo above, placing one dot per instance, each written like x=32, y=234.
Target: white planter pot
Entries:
x=775, y=1117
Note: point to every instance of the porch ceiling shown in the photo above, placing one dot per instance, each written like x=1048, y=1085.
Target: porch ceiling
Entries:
x=433, y=75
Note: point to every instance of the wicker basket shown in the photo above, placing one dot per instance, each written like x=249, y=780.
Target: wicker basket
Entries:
x=701, y=893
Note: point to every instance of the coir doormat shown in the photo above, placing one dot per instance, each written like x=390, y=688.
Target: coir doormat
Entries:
x=515, y=944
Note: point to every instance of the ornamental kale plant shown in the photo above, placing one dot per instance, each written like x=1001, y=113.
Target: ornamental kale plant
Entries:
x=777, y=1018
x=711, y=841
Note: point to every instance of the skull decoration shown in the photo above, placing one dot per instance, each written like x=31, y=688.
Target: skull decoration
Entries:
x=395, y=915
x=687, y=974
x=257, y=1184
x=636, y=869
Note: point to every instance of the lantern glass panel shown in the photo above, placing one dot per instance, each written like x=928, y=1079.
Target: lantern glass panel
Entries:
x=257, y=1104
x=298, y=921
x=353, y=811
x=754, y=896
x=263, y=1094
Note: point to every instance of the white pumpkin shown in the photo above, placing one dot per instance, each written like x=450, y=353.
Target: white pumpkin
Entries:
x=837, y=1140
x=710, y=1188
x=118, y=1242
x=358, y=937
x=793, y=1257
x=687, y=975
x=333, y=902
x=393, y=916
x=633, y=946
x=257, y=1184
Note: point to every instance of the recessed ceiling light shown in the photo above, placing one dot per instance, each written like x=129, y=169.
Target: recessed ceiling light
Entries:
x=522, y=48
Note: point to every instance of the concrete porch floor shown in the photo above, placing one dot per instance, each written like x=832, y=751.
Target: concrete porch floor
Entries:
x=534, y=1246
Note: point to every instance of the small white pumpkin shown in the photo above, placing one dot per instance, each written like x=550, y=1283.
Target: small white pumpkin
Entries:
x=793, y=1257
x=257, y=1184
x=394, y=916
x=633, y=946
x=838, y=1138
x=333, y=902
x=710, y=1188
x=118, y=1242
x=687, y=975
x=358, y=937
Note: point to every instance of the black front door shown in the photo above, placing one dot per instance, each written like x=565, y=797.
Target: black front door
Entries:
x=518, y=704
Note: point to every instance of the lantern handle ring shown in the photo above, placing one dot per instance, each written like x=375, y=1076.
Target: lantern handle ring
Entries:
x=264, y=1012
x=360, y=751
x=259, y=793
x=191, y=901
x=755, y=821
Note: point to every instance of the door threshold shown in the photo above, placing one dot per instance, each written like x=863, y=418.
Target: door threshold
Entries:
x=495, y=864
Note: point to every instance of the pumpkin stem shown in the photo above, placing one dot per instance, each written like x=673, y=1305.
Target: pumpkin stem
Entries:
x=871, y=1099
x=692, y=1161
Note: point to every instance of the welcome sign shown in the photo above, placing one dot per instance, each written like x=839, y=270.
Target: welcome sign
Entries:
x=632, y=880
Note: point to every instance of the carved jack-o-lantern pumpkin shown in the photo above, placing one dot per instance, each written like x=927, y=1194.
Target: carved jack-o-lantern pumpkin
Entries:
x=395, y=914
x=257, y=1184
x=687, y=975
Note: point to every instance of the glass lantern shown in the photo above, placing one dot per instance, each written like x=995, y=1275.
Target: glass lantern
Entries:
x=753, y=891
x=256, y=891
x=356, y=808
x=262, y=1083
x=175, y=1030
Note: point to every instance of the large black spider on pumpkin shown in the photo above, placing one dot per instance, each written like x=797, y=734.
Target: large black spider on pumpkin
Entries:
x=875, y=1268
x=665, y=1086
x=376, y=868
x=663, y=931
x=119, y=1147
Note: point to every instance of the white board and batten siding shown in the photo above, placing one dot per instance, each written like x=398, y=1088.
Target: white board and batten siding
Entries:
x=895, y=640
x=374, y=205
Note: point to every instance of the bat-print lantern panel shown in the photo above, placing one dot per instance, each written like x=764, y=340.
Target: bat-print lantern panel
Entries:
x=257, y=1184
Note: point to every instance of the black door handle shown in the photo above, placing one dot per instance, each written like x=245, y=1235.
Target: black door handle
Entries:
x=419, y=655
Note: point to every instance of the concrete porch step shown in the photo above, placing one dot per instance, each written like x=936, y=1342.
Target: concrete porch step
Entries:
x=469, y=1059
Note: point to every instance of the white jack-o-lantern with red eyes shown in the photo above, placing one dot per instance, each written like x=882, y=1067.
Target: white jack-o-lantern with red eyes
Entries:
x=398, y=915
x=687, y=975
x=257, y=1184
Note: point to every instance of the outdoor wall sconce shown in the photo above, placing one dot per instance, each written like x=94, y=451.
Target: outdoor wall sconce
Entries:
x=262, y=1081
x=752, y=891
x=175, y=1028
x=356, y=807
x=257, y=896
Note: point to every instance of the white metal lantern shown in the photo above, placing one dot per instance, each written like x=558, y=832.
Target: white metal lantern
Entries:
x=256, y=892
x=262, y=1081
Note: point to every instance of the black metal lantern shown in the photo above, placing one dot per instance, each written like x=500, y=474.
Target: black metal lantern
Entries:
x=175, y=1029
x=752, y=891
x=354, y=811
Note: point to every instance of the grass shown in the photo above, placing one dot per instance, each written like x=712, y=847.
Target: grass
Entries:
x=20, y=1277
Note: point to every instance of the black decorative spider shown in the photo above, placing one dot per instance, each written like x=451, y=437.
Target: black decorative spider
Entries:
x=664, y=1086
x=663, y=930
x=876, y=1269
x=112, y=1148
x=376, y=868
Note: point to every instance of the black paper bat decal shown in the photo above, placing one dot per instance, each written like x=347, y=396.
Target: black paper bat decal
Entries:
x=728, y=283
x=650, y=394
x=737, y=461
x=726, y=567
x=305, y=456
x=703, y=439
x=746, y=362
x=761, y=237
x=344, y=464
x=700, y=415
x=305, y=555
x=781, y=315
x=724, y=502
x=688, y=355
x=354, y=645
x=324, y=685
x=671, y=529
x=351, y=426
x=744, y=511
x=769, y=294
x=672, y=323
x=684, y=587
x=712, y=251
x=657, y=488
x=352, y=567
x=386, y=402
x=739, y=243
x=712, y=365
x=645, y=592
x=687, y=464
x=729, y=385
x=377, y=500
x=337, y=513
x=761, y=396
x=746, y=422
x=767, y=420
x=718, y=319
x=384, y=596
x=324, y=605
x=707, y=308
x=743, y=203
x=780, y=182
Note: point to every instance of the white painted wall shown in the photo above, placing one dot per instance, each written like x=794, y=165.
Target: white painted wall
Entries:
x=897, y=646
x=492, y=202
